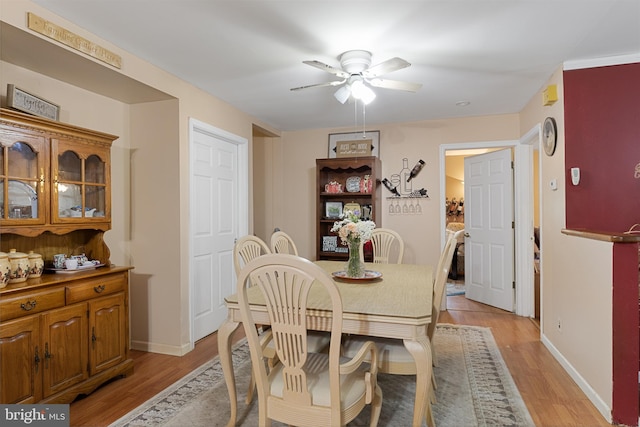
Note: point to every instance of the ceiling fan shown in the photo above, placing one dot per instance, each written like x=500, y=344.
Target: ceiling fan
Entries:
x=356, y=73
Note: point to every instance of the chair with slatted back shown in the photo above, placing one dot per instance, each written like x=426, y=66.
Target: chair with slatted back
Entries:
x=388, y=246
x=282, y=243
x=245, y=250
x=305, y=388
x=394, y=358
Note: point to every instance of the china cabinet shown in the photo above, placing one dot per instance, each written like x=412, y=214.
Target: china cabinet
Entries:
x=346, y=182
x=66, y=332
x=53, y=177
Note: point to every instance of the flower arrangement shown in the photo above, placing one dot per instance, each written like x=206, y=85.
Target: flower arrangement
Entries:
x=353, y=232
x=351, y=229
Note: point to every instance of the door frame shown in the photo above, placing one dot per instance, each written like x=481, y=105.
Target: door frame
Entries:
x=197, y=126
x=523, y=209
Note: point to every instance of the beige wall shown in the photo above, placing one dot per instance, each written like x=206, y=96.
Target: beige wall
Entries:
x=151, y=200
x=416, y=140
x=576, y=274
x=454, y=166
x=150, y=173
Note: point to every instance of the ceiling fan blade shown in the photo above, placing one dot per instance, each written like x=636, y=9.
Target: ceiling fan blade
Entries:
x=394, y=84
x=333, y=83
x=328, y=68
x=385, y=67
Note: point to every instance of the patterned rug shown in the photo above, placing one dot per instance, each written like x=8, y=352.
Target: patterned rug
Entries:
x=474, y=389
x=454, y=289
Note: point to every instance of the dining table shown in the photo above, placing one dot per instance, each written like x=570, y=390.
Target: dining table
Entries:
x=397, y=304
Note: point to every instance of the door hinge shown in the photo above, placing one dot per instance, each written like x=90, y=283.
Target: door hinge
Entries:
x=513, y=284
x=513, y=224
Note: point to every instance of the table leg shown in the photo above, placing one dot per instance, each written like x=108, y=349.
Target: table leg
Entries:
x=420, y=349
x=224, y=349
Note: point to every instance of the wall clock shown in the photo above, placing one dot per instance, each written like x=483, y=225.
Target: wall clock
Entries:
x=549, y=135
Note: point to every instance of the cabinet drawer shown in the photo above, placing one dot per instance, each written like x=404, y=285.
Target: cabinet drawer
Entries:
x=30, y=303
x=95, y=288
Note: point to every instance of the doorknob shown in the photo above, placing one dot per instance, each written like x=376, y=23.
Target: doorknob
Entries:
x=467, y=235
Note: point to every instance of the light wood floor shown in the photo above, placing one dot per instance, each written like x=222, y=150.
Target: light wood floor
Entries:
x=552, y=397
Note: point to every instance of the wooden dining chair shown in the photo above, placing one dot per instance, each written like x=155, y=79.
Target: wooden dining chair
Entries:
x=245, y=250
x=305, y=388
x=394, y=358
x=282, y=243
x=388, y=246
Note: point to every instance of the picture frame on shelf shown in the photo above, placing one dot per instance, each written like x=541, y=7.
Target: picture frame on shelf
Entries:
x=329, y=243
x=354, y=144
x=333, y=209
x=20, y=99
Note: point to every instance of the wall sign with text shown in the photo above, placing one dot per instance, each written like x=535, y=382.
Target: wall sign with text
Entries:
x=354, y=144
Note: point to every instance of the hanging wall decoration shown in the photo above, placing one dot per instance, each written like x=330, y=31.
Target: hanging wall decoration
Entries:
x=404, y=199
x=354, y=144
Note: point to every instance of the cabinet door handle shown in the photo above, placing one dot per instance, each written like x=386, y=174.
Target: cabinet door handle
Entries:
x=28, y=306
x=98, y=289
x=47, y=355
x=93, y=337
x=37, y=359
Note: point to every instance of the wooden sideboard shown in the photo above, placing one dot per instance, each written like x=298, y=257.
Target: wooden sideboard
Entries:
x=65, y=333
x=62, y=335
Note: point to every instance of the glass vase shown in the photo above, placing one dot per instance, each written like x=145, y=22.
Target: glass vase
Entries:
x=355, y=266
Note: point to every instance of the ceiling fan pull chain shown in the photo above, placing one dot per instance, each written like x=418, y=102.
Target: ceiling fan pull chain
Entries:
x=364, y=121
x=355, y=115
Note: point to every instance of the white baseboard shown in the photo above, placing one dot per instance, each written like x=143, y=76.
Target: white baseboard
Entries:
x=171, y=350
x=591, y=394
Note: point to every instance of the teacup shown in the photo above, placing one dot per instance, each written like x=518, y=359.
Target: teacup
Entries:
x=58, y=260
x=82, y=259
x=71, y=264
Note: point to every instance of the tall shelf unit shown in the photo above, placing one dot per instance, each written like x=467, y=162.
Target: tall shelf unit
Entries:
x=63, y=335
x=338, y=170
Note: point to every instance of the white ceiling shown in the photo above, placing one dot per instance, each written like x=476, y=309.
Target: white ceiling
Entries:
x=496, y=54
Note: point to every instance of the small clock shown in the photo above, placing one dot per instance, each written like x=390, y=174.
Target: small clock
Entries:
x=549, y=135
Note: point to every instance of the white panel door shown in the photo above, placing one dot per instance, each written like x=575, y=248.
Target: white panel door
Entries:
x=489, y=234
x=215, y=220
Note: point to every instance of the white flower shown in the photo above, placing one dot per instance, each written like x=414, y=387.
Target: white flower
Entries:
x=351, y=228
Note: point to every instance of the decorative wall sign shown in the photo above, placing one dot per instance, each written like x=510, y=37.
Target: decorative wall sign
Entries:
x=355, y=144
x=24, y=101
x=72, y=40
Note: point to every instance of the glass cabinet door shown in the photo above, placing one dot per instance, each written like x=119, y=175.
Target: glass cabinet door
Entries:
x=22, y=179
x=80, y=182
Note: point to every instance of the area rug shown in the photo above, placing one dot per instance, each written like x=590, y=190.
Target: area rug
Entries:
x=454, y=289
x=474, y=388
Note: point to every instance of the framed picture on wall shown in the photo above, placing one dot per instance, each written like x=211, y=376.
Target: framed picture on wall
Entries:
x=20, y=99
x=333, y=209
x=354, y=144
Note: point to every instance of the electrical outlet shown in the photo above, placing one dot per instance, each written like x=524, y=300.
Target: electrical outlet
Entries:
x=559, y=325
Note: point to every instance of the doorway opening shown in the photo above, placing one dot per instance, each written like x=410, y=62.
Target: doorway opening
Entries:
x=526, y=208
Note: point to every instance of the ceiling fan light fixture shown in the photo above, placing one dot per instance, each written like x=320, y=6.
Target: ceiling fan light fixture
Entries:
x=343, y=94
x=360, y=91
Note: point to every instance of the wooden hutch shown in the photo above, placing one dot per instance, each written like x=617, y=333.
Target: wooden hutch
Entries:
x=349, y=173
x=65, y=333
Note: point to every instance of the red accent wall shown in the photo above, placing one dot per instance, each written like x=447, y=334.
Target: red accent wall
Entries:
x=602, y=138
x=625, y=334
